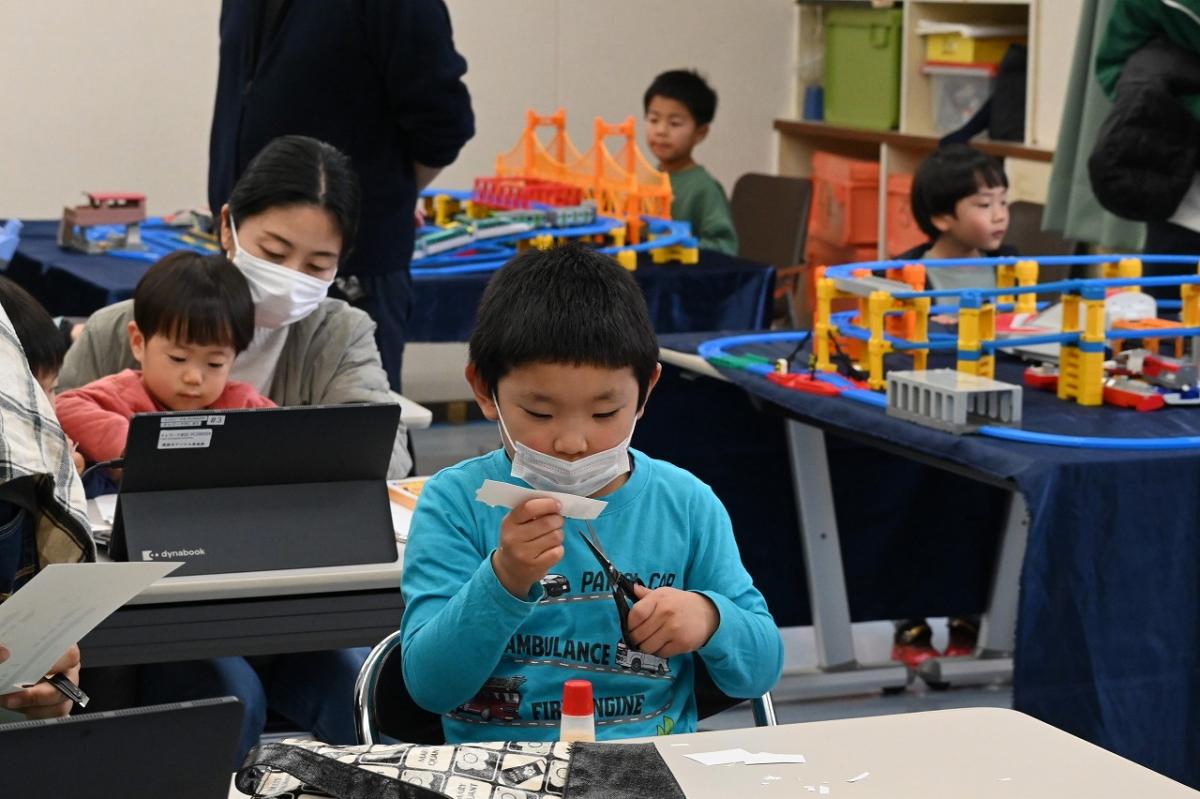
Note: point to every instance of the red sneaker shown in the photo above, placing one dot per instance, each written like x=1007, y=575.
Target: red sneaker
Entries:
x=964, y=635
x=913, y=645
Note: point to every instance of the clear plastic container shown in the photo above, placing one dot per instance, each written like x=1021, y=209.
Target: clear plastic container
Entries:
x=958, y=92
x=578, y=713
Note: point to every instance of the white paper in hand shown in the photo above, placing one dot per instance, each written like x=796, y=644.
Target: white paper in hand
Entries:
x=507, y=495
x=61, y=605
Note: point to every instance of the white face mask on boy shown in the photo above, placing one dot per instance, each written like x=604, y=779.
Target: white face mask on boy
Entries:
x=281, y=295
x=583, y=477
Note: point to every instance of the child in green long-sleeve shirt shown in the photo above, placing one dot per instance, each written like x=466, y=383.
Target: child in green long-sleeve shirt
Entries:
x=679, y=107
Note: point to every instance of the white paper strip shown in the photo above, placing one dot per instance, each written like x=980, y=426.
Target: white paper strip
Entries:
x=763, y=758
x=507, y=495
x=722, y=758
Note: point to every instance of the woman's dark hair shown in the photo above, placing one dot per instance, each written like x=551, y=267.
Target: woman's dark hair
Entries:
x=39, y=336
x=299, y=170
x=195, y=299
x=950, y=174
x=568, y=305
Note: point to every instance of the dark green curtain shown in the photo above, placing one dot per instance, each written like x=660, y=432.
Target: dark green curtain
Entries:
x=1071, y=208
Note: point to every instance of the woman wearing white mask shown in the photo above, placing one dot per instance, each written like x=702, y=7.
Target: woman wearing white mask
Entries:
x=290, y=221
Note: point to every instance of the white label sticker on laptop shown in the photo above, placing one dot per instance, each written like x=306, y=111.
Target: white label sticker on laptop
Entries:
x=216, y=421
x=181, y=421
x=184, y=439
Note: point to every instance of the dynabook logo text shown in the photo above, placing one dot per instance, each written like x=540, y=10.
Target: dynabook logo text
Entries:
x=172, y=554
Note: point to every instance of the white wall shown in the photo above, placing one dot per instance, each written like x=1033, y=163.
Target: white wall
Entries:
x=105, y=95
x=118, y=94
x=597, y=58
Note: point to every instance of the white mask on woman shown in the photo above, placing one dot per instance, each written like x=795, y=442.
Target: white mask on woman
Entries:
x=281, y=295
x=582, y=478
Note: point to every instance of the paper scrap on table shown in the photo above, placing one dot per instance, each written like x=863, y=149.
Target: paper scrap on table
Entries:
x=858, y=777
x=494, y=492
x=401, y=519
x=1006, y=779
x=764, y=758
x=771, y=777
x=722, y=758
x=823, y=790
x=59, y=606
x=107, y=505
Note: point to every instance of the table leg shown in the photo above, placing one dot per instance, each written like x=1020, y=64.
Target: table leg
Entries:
x=992, y=660
x=838, y=671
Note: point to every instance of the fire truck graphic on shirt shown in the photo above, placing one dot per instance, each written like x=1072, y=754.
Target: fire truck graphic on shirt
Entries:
x=499, y=699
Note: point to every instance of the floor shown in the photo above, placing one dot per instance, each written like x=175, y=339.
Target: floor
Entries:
x=443, y=445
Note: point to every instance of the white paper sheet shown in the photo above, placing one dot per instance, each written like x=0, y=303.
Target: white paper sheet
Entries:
x=764, y=758
x=507, y=495
x=721, y=758
x=107, y=505
x=61, y=605
x=401, y=519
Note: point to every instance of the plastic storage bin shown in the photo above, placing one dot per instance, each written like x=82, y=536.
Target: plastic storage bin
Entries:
x=958, y=92
x=845, y=209
x=902, y=231
x=862, y=67
x=955, y=48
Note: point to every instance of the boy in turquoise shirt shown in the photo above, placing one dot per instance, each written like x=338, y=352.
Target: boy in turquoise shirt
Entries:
x=679, y=108
x=502, y=607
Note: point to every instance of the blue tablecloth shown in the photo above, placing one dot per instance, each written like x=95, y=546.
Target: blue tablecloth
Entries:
x=1109, y=614
x=721, y=292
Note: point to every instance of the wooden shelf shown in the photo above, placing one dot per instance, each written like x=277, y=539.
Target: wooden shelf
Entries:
x=821, y=131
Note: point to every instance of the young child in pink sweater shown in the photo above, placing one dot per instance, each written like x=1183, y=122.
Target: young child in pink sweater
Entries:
x=192, y=315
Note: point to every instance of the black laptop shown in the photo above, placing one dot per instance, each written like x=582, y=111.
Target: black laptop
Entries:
x=251, y=490
x=186, y=750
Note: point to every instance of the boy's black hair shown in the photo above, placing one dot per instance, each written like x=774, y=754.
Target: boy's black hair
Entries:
x=196, y=299
x=950, y=174
x=567, y=305
x=39, y=336
x=687, y=87
x=300, y=170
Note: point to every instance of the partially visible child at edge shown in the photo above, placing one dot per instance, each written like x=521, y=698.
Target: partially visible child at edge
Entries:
x=679, y=107
x=192, y=315
x=41, y=339
x=502, y=606
x=960, y=201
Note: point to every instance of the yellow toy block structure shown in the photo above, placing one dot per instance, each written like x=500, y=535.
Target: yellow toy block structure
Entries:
x=675, y=252
x=1124, y=268
x=1081, y=366
x=976, y=326
x=877, y=302
x=1027, y=275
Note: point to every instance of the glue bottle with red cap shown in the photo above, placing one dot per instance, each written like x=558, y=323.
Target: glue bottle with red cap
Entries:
x=578, y=712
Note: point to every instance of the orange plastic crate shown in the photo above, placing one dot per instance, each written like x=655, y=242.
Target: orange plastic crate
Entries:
x=845, y=200
x=902, y=231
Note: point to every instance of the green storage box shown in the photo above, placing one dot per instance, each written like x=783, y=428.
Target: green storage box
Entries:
x=862, y=67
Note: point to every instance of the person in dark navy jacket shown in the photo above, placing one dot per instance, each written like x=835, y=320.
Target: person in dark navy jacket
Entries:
x=381, y=81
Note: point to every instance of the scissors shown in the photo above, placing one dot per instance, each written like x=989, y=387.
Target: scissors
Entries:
x=622, y=586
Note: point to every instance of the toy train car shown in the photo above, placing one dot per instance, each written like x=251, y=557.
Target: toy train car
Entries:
x=572, y=215
x=499, y=225
x=442, y=241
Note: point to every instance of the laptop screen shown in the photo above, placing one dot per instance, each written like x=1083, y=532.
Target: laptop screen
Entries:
x=185, y=750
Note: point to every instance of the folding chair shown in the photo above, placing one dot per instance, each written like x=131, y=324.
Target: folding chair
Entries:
x=383, y=706
x=770, y=214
